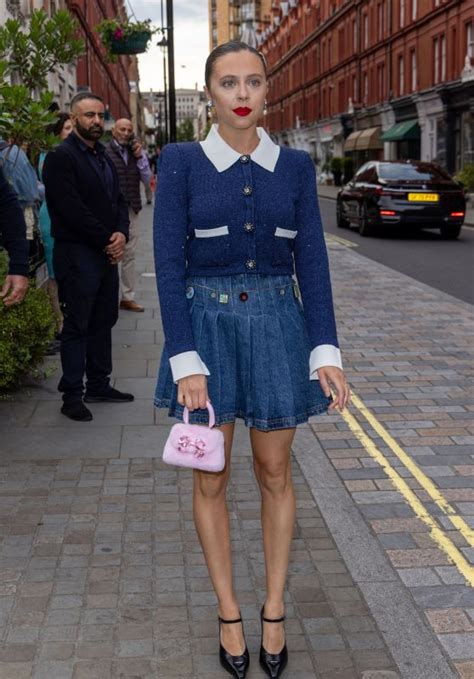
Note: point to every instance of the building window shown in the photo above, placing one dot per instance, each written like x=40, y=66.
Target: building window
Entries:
x=365, y=20
x=402, y=13
x=470, y=40
x=381, y=82
x=436, y=60
x=366, y=87
x=401, y=75
x=354, y=88
x=413, y=71
x=380, y=20
x=354, y=36
x=329, y=51
x=414, y=9
x=443, y=57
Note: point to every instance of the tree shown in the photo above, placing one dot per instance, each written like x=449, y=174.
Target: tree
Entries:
x=27, y=56
x=185, y=131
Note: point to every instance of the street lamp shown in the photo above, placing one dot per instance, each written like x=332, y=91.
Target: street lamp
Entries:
x=168, y=43
x=163, y=45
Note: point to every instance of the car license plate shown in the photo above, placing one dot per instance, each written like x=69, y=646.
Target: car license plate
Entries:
x=423, y=197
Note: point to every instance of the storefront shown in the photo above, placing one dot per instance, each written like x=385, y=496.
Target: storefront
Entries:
x=364, y=145
x=406, y=136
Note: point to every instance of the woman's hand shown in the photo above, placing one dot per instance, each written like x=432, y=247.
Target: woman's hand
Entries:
x=192, y=392
x=331, y=376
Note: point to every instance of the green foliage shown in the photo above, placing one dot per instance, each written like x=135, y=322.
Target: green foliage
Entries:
x=113, y=30
x=348, y=168
x=26, y=330
x=27, y=57
x=185, y=131
x=466, y=176
x=336, y=164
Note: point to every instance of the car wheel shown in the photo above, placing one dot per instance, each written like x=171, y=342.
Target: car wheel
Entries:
x=341, y=222
x=365, y=229
x=450, y=231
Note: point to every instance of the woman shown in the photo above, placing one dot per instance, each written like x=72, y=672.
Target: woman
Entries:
x=62, y=128
x=234, y=214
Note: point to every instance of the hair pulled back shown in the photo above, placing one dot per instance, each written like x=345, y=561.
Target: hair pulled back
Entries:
x=228, y=48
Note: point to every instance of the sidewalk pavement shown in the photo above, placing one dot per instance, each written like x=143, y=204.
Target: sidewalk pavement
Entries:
x=325, y=191
x=101, y=574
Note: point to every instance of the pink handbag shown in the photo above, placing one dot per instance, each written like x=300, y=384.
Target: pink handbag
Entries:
x=196, y=446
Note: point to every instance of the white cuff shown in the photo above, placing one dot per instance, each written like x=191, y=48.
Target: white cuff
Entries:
x=187, y=363
x=322, y=355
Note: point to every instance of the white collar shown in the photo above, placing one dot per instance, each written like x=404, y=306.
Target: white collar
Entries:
x=223, y=156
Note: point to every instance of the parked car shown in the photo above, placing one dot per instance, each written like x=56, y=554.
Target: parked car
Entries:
x=409, y=193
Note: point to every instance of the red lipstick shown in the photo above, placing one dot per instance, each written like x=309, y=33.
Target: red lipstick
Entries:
x=242, y=111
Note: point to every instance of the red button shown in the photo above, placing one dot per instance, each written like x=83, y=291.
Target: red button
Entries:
x=243, y=296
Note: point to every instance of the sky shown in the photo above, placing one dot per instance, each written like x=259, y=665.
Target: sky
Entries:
x=191, y=37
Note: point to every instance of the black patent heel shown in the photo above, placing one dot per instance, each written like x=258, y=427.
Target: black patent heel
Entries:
x=236, y=665
x=272, y=664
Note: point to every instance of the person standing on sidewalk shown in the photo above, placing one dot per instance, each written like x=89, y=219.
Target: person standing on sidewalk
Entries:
x=131, y=162
x=62, y=128
x=235, y=217
x=89, y=222
x=13, y=239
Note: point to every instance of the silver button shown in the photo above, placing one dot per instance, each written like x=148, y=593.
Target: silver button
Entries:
x=247, y=190
x=244, y=159
x=190, y=292
x=282, y=291
x=248, y=227
x=251, y=264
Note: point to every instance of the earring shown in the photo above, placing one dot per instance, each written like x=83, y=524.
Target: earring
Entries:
x=209, y=107
x=265, y=109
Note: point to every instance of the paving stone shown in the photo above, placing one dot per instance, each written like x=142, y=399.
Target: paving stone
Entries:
x=16, y=670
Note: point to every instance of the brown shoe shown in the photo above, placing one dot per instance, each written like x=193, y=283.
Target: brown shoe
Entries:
x=130, y=305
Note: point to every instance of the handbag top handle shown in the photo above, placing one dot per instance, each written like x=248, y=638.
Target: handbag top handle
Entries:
x=210, y=409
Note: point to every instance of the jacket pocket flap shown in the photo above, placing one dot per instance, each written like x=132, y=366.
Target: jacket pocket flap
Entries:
x=285, y=233
x=211, y=233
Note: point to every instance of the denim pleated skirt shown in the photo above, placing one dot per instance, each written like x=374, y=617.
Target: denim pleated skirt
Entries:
x=250, y=331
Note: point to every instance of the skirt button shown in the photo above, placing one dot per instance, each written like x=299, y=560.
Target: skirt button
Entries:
x=243, y=296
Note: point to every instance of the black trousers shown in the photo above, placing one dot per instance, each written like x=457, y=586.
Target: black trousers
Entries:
x=88, y=287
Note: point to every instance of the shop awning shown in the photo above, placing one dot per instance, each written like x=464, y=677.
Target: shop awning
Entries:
x=369, y=139
x=407, y=130
x=349, y=144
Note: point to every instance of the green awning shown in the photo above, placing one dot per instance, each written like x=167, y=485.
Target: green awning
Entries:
x=409, y=129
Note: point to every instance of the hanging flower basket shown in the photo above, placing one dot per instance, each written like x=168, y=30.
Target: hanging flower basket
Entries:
x=134, y=44
x=120, y=36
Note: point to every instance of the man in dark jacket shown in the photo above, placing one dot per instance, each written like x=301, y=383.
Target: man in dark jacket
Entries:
x=127, y=154
x=13, y=239
x=89, y=222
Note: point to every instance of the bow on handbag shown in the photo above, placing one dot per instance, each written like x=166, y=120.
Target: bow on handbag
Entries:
x=196, y=446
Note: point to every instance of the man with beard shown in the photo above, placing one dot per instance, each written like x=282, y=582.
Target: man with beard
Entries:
x=89, y=222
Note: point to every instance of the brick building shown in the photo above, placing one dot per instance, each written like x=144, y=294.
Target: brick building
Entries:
x=94, y=72
x=373, y=78
x=229, y=18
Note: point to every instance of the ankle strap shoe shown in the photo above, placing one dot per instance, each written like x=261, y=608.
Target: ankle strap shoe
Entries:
x=236, y=665
x=272, y=664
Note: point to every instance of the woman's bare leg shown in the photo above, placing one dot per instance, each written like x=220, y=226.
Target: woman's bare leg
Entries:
x=272, y=465
x=212, y=524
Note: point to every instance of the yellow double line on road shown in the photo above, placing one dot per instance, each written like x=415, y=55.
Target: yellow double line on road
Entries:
x=331, y=238
x=437, y=534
